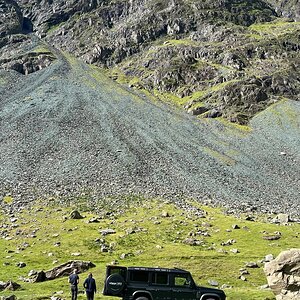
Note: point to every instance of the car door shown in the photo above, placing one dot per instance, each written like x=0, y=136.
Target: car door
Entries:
x=183, y=287
x=160, y=287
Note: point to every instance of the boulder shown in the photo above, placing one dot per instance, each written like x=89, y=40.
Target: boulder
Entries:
x=75, y=214
x=281, y=218
x=9, y=285
x=11, y=297
x=12, y=286
x=283, y=275
x=62, y=270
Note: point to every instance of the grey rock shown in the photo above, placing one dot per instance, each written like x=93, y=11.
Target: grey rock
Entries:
x=235, y=226
x=235, y=251
x=228, y=243
x=251, y=265
x=281, y=219
x=32, y=273
x=9, y=285
x=213, y=282
x=75, y=215
x=11, y=297
x=271, y=237
x=21, y=264
x=107, y=231
x=268, y=258
x=62, y=270
x=283, y=275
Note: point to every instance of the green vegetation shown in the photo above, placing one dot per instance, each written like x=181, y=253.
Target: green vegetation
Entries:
x=277, y=28
x=53, y=28
x=223, y=158
x=8, y=200
x=44, y=236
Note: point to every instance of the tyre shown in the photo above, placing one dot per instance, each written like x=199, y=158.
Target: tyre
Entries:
x=141, y=298
x=115, y=284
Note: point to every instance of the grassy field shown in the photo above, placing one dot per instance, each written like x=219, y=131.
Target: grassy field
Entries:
x=150, y=232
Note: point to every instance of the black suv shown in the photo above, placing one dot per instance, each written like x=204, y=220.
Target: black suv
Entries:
x=139, y=283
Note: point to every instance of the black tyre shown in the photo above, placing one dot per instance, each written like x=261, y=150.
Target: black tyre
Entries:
x=142, y=298
x=115, y=284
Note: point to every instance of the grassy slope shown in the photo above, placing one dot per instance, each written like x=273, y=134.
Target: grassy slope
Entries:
x=154, y=245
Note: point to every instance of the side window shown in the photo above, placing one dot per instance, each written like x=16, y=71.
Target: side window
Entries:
x=182, y=280
x=160, y=278
x=139, y=276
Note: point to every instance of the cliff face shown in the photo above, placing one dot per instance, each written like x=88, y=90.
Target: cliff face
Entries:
x=215, y=58
x=287, y=8
x=12, y=18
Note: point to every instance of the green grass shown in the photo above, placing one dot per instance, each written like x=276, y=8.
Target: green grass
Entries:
x=276, y=28
x=8, y=200
x=179, y=42
x=158, y=241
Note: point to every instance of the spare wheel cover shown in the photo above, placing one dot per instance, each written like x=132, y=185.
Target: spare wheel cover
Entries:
x=115, y=284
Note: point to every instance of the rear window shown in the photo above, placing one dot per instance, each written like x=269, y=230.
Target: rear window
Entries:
x=116, y=270
x=139, y=276
x=160, y=278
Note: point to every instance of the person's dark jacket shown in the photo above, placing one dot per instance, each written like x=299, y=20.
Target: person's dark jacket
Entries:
x=73, y=279
x=90, y=285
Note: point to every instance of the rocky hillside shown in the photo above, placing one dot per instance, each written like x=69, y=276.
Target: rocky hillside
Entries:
x=214, y=58
x=66, y=129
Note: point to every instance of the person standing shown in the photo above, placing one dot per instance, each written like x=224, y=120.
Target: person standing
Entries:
x=90, y=287
x=74, y=280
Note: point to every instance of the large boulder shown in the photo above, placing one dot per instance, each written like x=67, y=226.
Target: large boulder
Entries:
x=62, y=270
x=283, y=275
x=9, y=285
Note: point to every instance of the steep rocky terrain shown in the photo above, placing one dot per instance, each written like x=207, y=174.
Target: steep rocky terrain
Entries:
x=68, y=130
x=208, y=54
x=211, y=57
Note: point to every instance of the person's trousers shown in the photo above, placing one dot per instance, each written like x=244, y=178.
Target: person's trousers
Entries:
x=74, y=292
x=90, y=295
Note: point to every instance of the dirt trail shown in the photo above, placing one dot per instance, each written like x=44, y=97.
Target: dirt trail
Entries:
x=68, y=130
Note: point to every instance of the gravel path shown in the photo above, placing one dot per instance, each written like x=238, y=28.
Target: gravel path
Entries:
x=68, y=130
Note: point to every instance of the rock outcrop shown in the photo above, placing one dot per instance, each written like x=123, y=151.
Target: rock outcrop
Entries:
x=11, y=18
x=61, y=271
x=9, y=285
x=283, y=275
x=288, y=9
x=207, y=54
x=20, y=51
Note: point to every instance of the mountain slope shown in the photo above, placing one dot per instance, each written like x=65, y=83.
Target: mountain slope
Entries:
x=207, y=55
x=68, y=130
